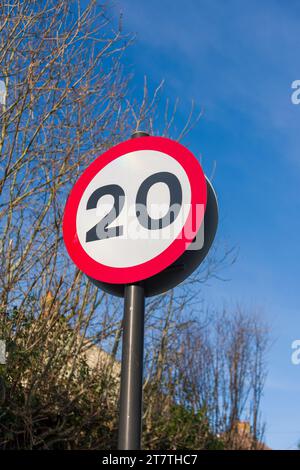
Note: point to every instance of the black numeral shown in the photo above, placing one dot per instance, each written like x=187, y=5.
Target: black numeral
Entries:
x=175, y=200
x=101, y=230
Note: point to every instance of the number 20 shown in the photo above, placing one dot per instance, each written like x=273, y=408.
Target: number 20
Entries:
x=102, y=230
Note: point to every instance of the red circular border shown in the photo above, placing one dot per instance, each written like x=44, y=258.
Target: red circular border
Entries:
x=142, y=271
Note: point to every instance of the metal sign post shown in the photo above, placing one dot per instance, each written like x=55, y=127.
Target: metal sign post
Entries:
x=132, y=369
x=2, y=351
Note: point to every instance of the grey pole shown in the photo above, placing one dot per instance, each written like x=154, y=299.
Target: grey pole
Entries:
x=132, y=369
x=130, y=421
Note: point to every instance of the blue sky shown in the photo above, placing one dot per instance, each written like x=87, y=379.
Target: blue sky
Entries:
x=238, y=59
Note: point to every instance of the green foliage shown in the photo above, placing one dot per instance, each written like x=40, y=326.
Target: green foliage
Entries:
x=55, y=400
x=182, y=428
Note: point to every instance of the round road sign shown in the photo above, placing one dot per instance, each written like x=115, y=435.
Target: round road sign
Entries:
x=135, y=210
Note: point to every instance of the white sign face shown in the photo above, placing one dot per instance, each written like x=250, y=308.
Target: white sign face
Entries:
x=134, y=210
x=137, y=243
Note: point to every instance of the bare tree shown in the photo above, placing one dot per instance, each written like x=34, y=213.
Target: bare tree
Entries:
x=62, y=105
x=220, y=368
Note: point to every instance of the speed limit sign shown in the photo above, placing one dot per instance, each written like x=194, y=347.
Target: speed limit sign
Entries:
x=134, y=215
x=135, y=210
